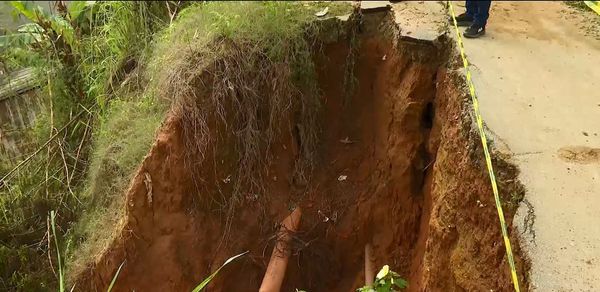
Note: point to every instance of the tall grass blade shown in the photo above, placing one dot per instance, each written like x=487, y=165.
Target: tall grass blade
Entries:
x=61, y=278
x=114, y=279
x=207, y=280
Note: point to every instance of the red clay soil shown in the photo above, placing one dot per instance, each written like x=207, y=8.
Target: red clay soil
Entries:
x=397, y=167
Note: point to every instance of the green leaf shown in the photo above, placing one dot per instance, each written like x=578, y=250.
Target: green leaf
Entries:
x=26, y=34
x=207, y=280
x=114, y=279
x=63, y=28
x=75, y=8
x=25, y=9
x=30, y=10
x=400, y=283
x=31, y=27
x=36, y=14
x=61, y=276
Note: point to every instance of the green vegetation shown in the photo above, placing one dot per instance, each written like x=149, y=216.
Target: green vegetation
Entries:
x=247, y=66
x=206, y=281
x=123, y=136
x=577, y=4
x=113, y=69
x=385, y=281
x=114, y=279
x=75, y=52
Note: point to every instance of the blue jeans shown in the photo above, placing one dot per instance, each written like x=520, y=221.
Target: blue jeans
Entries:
x=479, y=10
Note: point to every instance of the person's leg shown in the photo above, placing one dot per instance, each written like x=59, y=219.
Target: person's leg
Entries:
x=466, y=19
x=482, y=13
x=480, y=18
x=471, y=6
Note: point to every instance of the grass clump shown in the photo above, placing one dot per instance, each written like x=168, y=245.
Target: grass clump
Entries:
x=232, y=71
x=235, y=72
x=577, y=4
x=245, y=65
x=93, y=65
x=124, y=135
x=123, y=33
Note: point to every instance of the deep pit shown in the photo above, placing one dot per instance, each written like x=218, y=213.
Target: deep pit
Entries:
x=397, y=166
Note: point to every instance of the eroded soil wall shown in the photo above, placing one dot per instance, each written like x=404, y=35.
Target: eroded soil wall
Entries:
x=398, y=167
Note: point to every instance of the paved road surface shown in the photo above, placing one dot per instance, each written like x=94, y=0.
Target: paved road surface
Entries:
x=537, y=72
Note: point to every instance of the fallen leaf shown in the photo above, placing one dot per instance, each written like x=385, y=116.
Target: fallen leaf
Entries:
x=227, y=179
x=346, y=141
x=322, y=12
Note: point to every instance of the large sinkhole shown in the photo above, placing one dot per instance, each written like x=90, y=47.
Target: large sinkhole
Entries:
x=395, y=167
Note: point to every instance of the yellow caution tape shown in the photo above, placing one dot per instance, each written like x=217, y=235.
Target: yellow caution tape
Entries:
x=488, y=158
x=594, y=5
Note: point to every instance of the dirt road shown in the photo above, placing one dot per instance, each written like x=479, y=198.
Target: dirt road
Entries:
x=537, y=72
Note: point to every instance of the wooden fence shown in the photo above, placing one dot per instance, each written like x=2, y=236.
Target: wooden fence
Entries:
x=20, y=101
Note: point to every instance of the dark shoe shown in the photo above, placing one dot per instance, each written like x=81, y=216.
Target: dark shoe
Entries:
x=462, y=20
x=474, y=32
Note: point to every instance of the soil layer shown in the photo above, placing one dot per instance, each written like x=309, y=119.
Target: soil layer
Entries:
x=398, y=166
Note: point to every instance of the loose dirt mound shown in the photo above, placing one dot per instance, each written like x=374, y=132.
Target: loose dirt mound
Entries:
x=396, y=166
